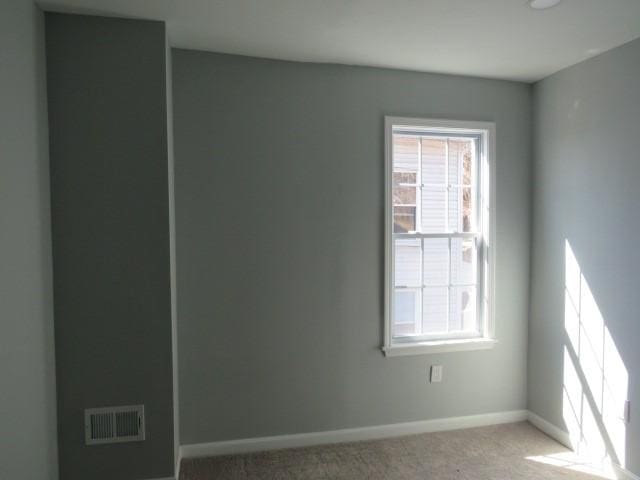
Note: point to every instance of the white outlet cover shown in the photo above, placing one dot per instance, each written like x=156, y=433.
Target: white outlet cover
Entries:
x=436, y=373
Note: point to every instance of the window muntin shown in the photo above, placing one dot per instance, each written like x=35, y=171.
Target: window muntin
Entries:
x=438, y=238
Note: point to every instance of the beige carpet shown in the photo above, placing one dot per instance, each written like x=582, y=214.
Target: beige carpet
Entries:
x=503, y=452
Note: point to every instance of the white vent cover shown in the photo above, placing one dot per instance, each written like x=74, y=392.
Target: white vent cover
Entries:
x=114, y=424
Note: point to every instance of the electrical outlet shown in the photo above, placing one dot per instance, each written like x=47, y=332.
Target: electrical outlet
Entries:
x=436, y=374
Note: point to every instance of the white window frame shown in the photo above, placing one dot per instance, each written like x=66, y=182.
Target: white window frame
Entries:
x=486, y=156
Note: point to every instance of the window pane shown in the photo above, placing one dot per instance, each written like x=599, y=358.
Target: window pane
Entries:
x=433, y=210
x=404, y=219
x=468, y=215
x=464, y=257
x=404, y=201
x=407, y=263
x=435, y=309
x=405, y=305
x=436, y=261
x=461, y=216
x=404, y=196
x=467, y=167
x=404, y=178
x=433, y=161
x=463, y=304
x=405, y=312
x=460, y=161
x=405, y=154
x=455, y=210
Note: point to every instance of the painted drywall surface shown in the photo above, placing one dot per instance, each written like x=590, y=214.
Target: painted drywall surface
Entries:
x=587, y=168
x=279, y=223
x=27, y=375
x=111, y=246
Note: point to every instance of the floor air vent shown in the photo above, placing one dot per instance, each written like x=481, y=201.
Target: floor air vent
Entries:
x=114, y=424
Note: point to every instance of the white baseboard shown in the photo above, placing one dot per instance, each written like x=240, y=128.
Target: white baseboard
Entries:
x=348, y=435
x=550, y=429
x=247, y=445
x=624, y=474
x=565, y=439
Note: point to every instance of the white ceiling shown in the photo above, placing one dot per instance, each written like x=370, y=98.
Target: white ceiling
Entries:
x=487, y=38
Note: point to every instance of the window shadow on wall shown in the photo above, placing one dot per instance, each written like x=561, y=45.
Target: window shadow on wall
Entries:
x=595, y=377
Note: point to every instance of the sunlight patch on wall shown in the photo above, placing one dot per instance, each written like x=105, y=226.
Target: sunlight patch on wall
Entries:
x=595, y=377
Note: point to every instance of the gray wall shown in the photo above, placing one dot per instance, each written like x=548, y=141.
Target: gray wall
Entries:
x=587, y=167
x=111, y=245
x=279, y=217
x=27, y=377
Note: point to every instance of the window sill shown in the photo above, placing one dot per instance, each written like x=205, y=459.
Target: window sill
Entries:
x=439, y=346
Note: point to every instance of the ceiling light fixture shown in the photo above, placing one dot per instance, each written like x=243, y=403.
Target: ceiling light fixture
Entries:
x=542, y=4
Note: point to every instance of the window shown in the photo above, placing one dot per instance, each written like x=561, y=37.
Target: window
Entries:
x=438, y=235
